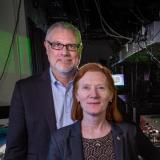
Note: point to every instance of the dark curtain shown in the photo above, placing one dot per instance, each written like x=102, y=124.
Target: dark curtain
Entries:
x=38, y=55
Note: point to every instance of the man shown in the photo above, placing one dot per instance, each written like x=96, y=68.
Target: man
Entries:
x=41, y=104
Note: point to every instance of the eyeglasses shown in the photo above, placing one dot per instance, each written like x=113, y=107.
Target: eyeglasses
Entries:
x=59, y=46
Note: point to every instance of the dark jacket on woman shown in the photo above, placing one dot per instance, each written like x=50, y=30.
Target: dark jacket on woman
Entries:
x=128, y=143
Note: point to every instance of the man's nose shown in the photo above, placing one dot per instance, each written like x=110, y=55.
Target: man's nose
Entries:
x=65, y=51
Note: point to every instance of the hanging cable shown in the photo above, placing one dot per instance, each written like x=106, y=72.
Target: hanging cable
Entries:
x=138, y=17
x=154, y=36
x=79, y=15
x=151, y=55
x=12, y=41
x=115, y=35
x=148, y=51
x=141, y=15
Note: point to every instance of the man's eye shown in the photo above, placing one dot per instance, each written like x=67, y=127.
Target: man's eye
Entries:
x=57, y=44
x=72, y=46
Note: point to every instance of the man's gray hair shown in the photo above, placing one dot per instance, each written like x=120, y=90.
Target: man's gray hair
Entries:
x=69, y=26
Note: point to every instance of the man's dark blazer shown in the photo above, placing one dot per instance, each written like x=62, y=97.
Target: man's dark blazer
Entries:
x=31, y=119
x=128, y=142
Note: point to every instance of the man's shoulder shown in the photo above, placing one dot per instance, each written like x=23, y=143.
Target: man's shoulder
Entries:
x=34, y=78
x=30, y=78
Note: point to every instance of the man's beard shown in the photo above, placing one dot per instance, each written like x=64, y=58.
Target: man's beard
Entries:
x=65, y=71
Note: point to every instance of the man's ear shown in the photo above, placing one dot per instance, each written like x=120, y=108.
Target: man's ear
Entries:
x=46, y=46
x=80, y=50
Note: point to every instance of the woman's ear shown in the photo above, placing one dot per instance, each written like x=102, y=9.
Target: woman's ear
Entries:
x=77, y=98
x=111, y=98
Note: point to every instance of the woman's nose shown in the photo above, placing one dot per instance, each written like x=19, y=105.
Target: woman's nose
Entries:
x=93, y=93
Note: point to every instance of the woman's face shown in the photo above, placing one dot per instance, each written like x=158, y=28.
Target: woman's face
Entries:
x=93, y=93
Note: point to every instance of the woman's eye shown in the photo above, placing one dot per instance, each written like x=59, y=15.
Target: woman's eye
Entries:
x=101, y=87
x=85, y=87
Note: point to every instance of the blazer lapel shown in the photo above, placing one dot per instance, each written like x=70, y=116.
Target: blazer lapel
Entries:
x=118, y=142
x=75, y=150
x=46, y=100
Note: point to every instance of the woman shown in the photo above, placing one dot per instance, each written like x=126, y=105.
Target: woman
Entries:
x=98, y=133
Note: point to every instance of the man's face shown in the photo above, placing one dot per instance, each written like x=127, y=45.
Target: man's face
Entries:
x=63, y=60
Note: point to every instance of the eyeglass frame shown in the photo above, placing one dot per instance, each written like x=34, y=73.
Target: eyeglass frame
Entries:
x=77, y=46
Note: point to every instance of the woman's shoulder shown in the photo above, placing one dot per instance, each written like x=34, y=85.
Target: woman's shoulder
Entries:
x=129, y=127
x=126, y=124
x=68, y=130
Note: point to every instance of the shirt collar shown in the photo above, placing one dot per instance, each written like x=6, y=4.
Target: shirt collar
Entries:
x=55, y=81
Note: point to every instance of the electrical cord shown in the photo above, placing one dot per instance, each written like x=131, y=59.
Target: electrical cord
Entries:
x=115, y=35
x=13, y=37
